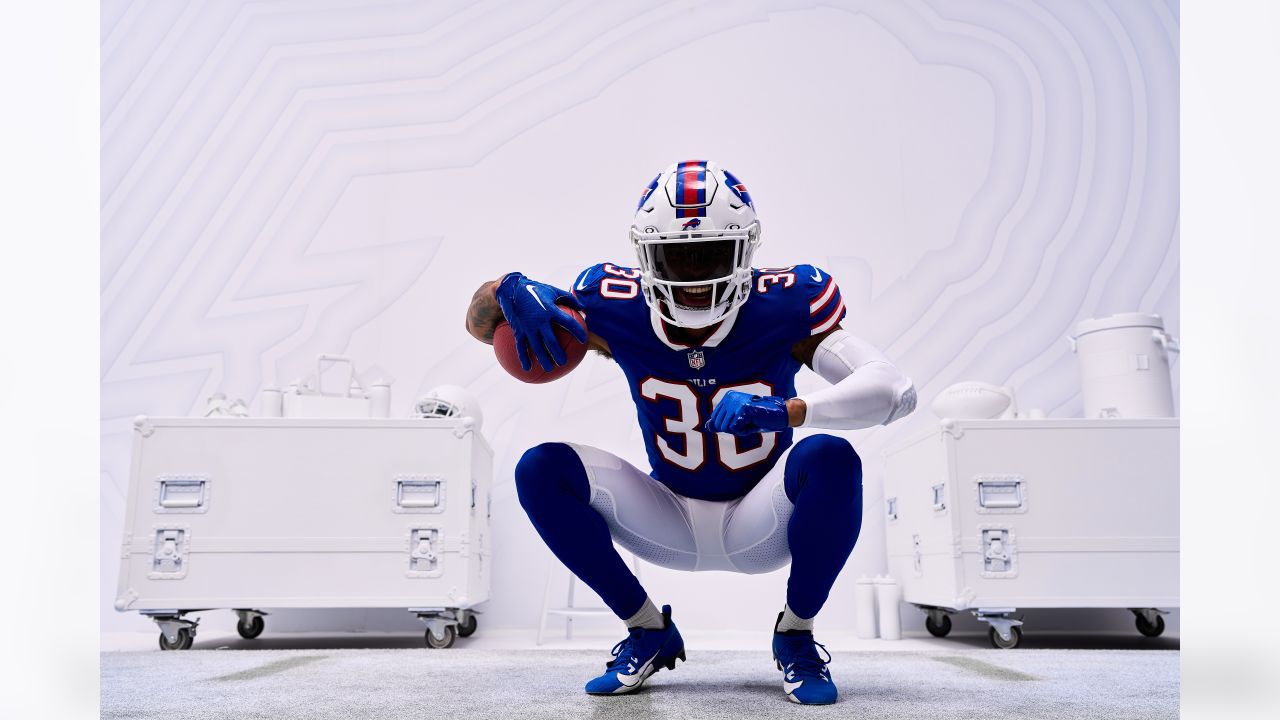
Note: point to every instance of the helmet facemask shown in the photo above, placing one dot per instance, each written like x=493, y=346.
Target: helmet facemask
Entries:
x=449, y=401
x=696, y=278
x=436, y=407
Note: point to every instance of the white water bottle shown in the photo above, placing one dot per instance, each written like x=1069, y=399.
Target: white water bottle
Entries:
x=888, y=597
x=380, y=399
x=272, y=403
x=864, y=607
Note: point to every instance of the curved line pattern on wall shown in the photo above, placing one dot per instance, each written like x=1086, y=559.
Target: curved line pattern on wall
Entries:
x=282, y=178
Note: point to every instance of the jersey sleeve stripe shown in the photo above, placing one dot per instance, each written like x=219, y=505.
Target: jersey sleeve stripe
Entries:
x=827, y=292
x=826, y=310
x=830, y=320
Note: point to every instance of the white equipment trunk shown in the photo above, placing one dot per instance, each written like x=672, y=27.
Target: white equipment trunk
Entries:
x=994, y=515
x=306, y=513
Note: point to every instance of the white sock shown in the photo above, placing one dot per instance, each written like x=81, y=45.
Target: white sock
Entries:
x=648, y=617
x=791, y=621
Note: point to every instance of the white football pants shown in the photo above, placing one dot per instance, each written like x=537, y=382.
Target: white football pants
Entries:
x=746, y=535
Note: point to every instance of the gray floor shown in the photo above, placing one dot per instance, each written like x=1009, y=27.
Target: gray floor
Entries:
x=957, y=681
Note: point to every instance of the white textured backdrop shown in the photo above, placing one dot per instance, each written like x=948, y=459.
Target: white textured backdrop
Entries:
x=283, y=178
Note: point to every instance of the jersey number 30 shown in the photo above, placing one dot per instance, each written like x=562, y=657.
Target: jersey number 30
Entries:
x=689, y=424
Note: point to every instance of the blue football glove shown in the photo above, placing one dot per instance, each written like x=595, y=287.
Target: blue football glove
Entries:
x=530, y=309
x=742, y=414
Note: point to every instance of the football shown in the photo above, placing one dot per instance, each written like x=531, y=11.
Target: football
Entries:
x=974, y=400
x=504, y=347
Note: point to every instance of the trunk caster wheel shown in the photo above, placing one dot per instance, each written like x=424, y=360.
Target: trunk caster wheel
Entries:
x=1015, y=637
x=1150, y=629
x=938, y=629
x=183, y=642
x=467, y=628
x=251, y=629
x=443, y=642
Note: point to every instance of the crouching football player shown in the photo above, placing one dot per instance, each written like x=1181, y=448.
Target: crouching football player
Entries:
x=710, y=348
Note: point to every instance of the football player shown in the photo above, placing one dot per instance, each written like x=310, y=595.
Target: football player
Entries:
x=710, y=348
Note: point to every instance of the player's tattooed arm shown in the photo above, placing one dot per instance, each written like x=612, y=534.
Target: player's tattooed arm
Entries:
x=597, y=343
x=484, y=314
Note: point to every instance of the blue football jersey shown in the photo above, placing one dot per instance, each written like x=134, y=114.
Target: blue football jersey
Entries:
x=675, y=386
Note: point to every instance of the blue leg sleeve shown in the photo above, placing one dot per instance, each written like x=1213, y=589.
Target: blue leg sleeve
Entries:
x=554, y=491
x=823, y=480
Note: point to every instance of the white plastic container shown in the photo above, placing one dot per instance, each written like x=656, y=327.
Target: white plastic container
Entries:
x=888, y=598
x=1124, y=365
x=864, y=601
x=272, y=403
x=380, y=399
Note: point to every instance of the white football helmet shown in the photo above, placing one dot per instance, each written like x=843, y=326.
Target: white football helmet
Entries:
x=449, y=401
x=695, y=231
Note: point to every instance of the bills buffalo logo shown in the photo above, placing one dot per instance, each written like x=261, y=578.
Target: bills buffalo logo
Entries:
x=691, y=225
x=738, y=189
x=653, y=185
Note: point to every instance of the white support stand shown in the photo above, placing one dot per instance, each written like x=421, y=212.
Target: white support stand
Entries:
x=570, y=611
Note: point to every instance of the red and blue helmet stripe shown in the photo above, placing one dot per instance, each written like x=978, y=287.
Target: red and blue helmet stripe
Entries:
x=691, y=188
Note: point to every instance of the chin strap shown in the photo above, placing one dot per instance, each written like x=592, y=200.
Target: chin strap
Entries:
x=866, y=388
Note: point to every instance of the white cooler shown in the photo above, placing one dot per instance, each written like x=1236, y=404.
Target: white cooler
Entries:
x=994, y=515
x=253, y=513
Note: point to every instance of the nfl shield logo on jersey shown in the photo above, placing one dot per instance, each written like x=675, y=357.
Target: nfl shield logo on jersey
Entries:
x=697, y=360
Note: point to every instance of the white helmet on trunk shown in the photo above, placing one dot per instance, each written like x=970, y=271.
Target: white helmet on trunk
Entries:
x=449, y=401
x=695, y=231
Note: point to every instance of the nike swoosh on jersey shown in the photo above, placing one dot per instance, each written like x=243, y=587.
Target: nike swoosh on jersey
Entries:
x=789, y=687
x=641, y=674
x=535, y=296
x=817, y=275
x=583, y=285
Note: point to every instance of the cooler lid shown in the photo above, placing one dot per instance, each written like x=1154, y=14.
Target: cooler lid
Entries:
x=1119, y=320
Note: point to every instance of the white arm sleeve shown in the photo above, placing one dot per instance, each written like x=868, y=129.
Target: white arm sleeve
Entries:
x=866, y=389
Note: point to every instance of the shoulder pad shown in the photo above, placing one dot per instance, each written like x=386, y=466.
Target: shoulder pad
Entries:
x=808, y=285
x=588, y=281
x=606, y=280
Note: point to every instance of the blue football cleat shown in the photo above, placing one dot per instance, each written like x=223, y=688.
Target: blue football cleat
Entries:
x=640, y=654
x=806, y=679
